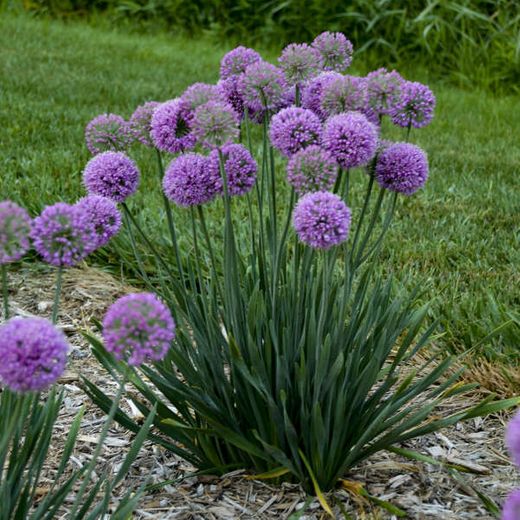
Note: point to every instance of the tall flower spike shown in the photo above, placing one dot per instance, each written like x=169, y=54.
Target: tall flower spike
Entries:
x=138, y=328
x=141, y=122
x=236, y=61
x=104, y=215
x=215, y=124
x=15, y=227
x=300, y=62
x=108, y=132
x=335, y=49
x=415, y=107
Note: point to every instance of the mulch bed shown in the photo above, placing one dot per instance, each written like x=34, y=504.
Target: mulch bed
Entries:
x=424, y=491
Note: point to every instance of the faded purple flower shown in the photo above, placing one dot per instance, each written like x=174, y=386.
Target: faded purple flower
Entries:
x=141, y=122
x=199, y=94
x=171, y=128
x=63, y=235
x=402, y=167
x=15, y=227
x=415, y=107
x=104, y=216
x=239, y=165
x=383, y=90
x=300, y=62
x=513, y=438
x=138, y=328
x=189, y=181
x=335, y=49
x=33, y=353
x=236, y=61
x=108, y=132
x=321, y=219
x=312, y=91
x=215, y=124
x=111, y=174
x=294, y=128
x=311, y=169
x=511, y=509
x=350, y=138
x=343, y=94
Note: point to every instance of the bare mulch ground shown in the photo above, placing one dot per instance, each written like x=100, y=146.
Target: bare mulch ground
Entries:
x=424, y=491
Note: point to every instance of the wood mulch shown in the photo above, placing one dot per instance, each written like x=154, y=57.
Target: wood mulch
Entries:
x=424, y=491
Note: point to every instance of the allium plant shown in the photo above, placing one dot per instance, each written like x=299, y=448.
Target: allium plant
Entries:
x=290, y=356
x=141, y=122
x=108, y=132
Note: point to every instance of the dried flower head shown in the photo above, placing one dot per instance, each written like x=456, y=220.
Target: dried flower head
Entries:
x=300, y=62
x=415, y=107
x=15, y=227
x=108, y=132
x=104, y=215
x=236, y=61
x=171, y=128
x=137, y=328
x=383, y=91
x=215, y=124
x=141, y=122
x=343, y=94
x=335, y=49
x=513, y=438
x=312, y=92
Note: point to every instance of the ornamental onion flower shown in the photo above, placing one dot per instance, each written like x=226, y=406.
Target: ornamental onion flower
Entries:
x=239, y=165
x=343, y=94
x=513, y=438
x=312, y=169
x=215, y=124
x=335, y=49
x=137, y=328
x=141, y=122
x=63, y=234
x=104, y=216
x=188, y=181
x=294, y=128
x=108, y=132
x=383, y=91
x=33, y=353
x=351, y=139
x=111, y=174
x=300, y=62
x=230, y=93
x=321, y=219
x=171, y=128
x=199, y=94
x=15, y=227
x=312, y=91
x=415, y=107
x=511, y=509
x=236, y=61
x=402, y=167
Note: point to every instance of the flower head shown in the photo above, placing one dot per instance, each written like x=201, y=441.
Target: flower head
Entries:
x=335, y=49
x=230, y=93
x=262, y=86
x=33, y=353
x=111, y=174
x=321, y=219
x=311, y=169
x=342, y=94
x=402, y=167
x=511, y=509
x=215, y=124
x=137, y=328
x=236, y=61
x=171, y=128
x=63, y=235
x=108, y=132
x=415, y=107
x=383, y=91
x=15, y=227
x=189, y=182
x=141, y=122
x=312, y=91
x=239, y=165
x=513, y=438
x=104, y=216
x=199, y=94
x=300, y=62
x=294, y=128
x=350, y=138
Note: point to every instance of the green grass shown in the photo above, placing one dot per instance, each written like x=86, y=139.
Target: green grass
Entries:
x=457, y=239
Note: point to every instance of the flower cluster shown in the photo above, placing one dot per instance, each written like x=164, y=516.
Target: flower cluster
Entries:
x=215, y=124
x=416, y=105
x=236, y=61
x=383, y=94
x=15, y=227
x=104, y=215
x=141, y=122
x=108, y=132
x=300, y=62
x=342, y=94
x=335, y=50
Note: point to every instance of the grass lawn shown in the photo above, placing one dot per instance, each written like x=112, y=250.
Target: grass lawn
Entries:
x=457, y=239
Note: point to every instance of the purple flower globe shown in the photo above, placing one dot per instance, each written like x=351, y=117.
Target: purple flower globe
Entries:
x=63, y=235
x=383, y=90
x=33, y=353
x=171, y=128
x=416, y=106
x=111, y=174
x=108, y=132
x=188, y=180
x=335, y=49
x=215, y=124
x=239, y=165
x=104, y=215
x=513, y=438
x=300, y=62
x=141, y=122
x=312, y=91
x=402, y=167
x=199, y=94
x=312, y=169
x=351, y=139
x=15, y=228
x=293, y=129
x=321, y=220
x=236, y=61
x=137, y=328
x=262, y=86
x=230, y=93
x=511, y=509
x=343, y=94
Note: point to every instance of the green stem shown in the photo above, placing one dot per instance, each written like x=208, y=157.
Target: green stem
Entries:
x=5, y=292
x=248, y=130
x=363, y=213
x=297, y=95
x=408, y=130
x=57, y=294
x=337, y=184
